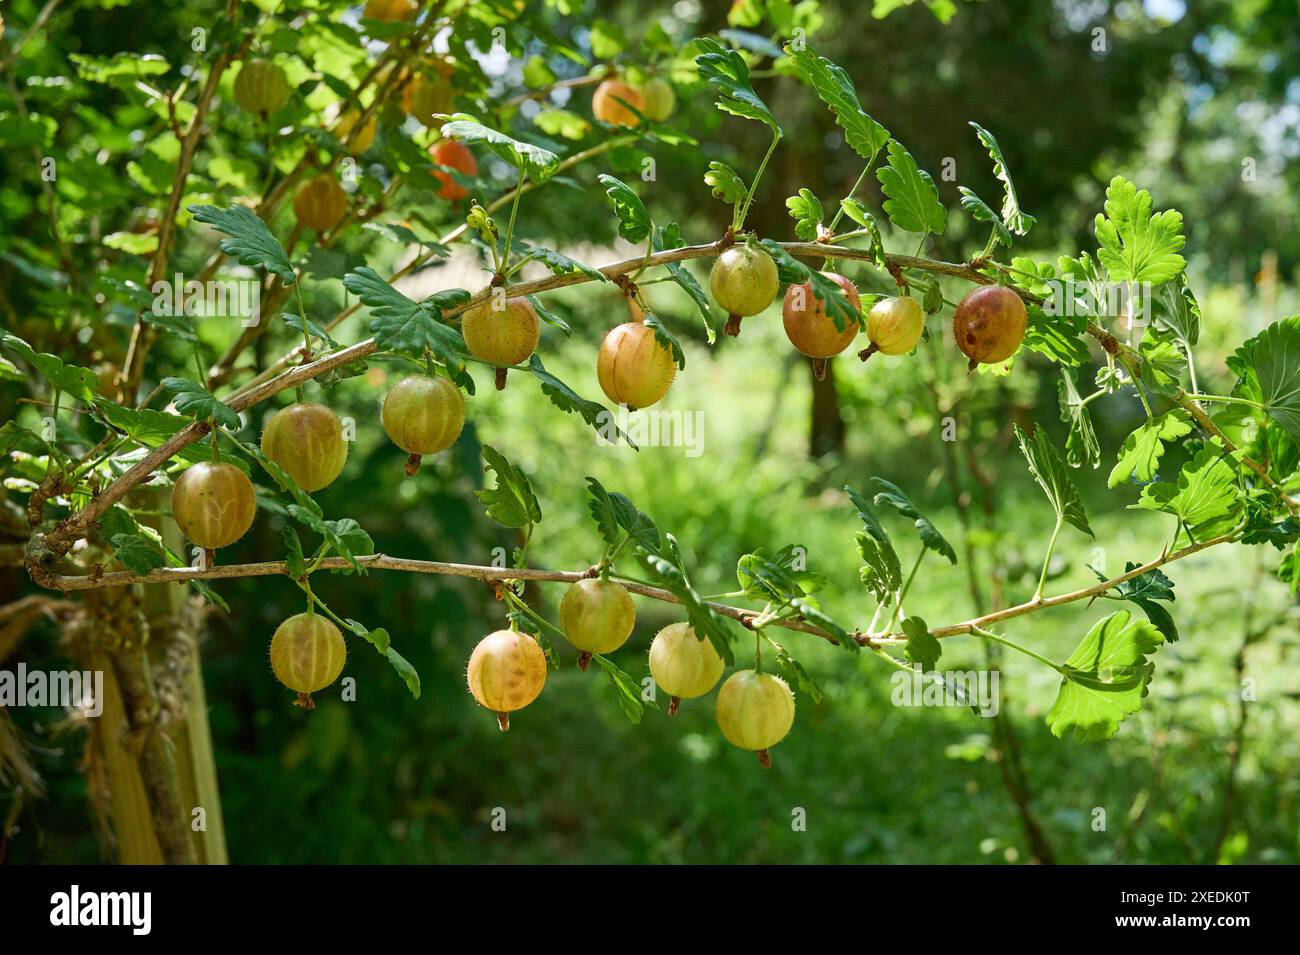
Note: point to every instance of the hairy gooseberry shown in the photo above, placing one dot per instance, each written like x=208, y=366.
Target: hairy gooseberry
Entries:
x=507, y=671
x=989, y=324
x=307, y=654
x=306, y=440
x=811, y=330
x=320, y=202
x=659, y=99
x=755, y=711
x=894, y=326
x=502, y=338
x=261, y=87
x=390, y=10
x=423, y=415
x=364, y=136
x=213, y=503
x=683, y=665
x=744, y=282
x=611, y=103
x=454, y=155
x=633, y=367
x=426, y=96
x=596, y=616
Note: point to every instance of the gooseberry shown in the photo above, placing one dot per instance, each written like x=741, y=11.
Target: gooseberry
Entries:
x=596, y=616
x=390, y=10
x=811, y=330
x=306, y=440
x=894, y=326
x=989, y=324
x=633, y=367
x=744, y=282
x=502, y=338
x=659, y=99
x=213, y=503
x=507, y=671
x=261, y=87
x=320, y=203
x=455, y=155
x=611, y=103
x=307, y=654
x=755, y=711
x=423, y=415
x=364, y=137
x=683, y=665
x=428, y=94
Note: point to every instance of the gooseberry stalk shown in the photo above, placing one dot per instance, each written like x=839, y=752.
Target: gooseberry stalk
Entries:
x=738, y=220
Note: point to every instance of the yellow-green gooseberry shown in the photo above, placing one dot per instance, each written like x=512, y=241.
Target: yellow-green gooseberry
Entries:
x=507, y=671
x=596, y=616
x=423, y=415
x=755, y=711
x=307, y=655
x=683, y=665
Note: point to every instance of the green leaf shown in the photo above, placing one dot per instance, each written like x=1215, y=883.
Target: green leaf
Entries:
x=725, y=183
x=250, y=241
x=138, y=553
x=806, y=209
x=856, y=211
x=568, y=400
x=778, y=577
x=834, y=87
x=795, y=671
x=1081, y=446
x=548, y=316
x=1144, y=591
x=706, y=621
x=195, y=401
x=666, y=338
x=512, y=502
x=537, y=163
x=670, y=237
x=727, y=70
x=73, y=380
x=979, y=210
x=633, y=217
x=1263, y=530
x=295, y=564
x=557, y=262
x=344, y=537
x=1271, y=364
x=1105, y=679
x=1140, y=454
x=400, y=324
x=1057, y=337
x=626, y=689
x=404, y=669
x=12, y=435
x=1013, y=217
x=1175, y=309
x=614, y=514
x=881, y=574
x=922, y=646
x=315, y=331
x=1136, y=246
x=1207, y=498
x=182, y=326
x=1162, y=362
x=913, y=200
x=892, y=495
x=1049, y=471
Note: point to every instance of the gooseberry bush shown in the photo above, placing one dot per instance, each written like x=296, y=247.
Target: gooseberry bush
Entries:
x=356, y=115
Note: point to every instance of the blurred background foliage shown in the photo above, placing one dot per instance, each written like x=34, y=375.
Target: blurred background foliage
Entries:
x=1197, y=102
